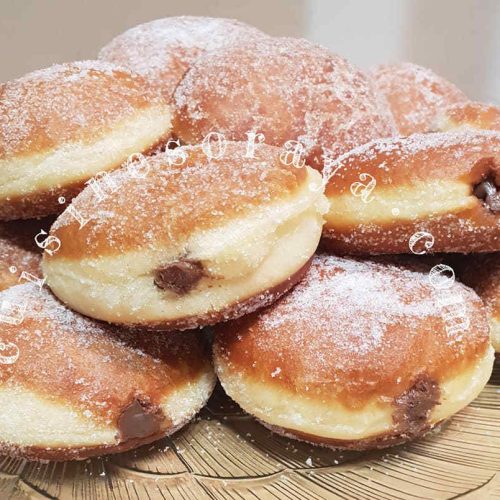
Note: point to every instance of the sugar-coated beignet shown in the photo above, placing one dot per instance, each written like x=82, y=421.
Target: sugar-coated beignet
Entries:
x=358, y=355
x=62, y=125
x=482, y=273
x=72, y=388
x=415, y=95
x=180, y=246
x=445, y=184
x=164, y=49
x=284, y=88
x=469, y=115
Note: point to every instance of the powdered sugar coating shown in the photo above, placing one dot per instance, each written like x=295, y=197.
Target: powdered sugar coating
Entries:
x=397, y=157
x=67, y=102
x=353, y=329
x=173, y=201
x=438, y=173
x=285, y=88
x=89, y=366
x=415, y=95
x=469, y=115
x=164, y=49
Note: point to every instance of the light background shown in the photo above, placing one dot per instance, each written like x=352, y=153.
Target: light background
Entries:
x=460, y=39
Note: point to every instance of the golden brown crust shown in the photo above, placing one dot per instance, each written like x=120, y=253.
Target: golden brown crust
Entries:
x=403, y=161
x=172, y=202
x=116, y=367
x=57, y=111
x=415, y=95
x=164, y=49
x=353, y=331
x=469, y=114
x=462, y=157
x=38, y=453
x=45, y=202
x=381, y=441
x=231, y=311
x=471, y=232
x=308, y=94
x=410, y=418
x=69, y=102
x=39, y=203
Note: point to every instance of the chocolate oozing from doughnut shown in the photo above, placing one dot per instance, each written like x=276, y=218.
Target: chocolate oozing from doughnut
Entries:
x=180, y=276
x=139, y=419
x=489, y=191
x=413, y=407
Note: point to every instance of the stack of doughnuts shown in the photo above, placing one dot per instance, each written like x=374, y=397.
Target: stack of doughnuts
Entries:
x=192, y=173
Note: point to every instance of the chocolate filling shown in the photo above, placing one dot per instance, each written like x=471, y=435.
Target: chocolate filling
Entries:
x=414, y=406
x=180, y=276
x=139, y=419
x=488, y=191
